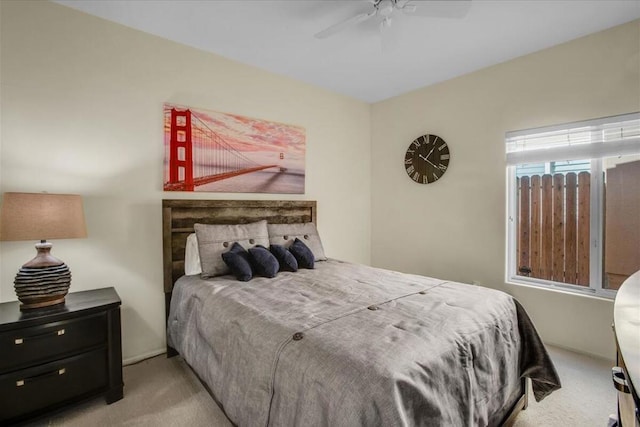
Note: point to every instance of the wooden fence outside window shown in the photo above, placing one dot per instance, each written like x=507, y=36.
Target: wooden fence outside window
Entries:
x=554, y=226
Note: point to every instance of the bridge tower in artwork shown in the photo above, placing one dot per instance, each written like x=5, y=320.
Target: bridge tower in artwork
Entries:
x=199, y=156
x=181, y=150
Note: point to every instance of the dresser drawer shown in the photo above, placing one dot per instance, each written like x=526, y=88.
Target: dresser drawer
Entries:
x=36, y=344
x=52, y=384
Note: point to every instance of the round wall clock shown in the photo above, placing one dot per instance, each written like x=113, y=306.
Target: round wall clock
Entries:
x=427, y=159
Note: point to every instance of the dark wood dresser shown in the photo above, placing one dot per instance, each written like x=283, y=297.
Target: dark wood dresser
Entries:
x=626, y=376
x=55, y=356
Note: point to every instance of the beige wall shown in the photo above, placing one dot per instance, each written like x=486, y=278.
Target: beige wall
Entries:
x=82, y=113
x=455, y=228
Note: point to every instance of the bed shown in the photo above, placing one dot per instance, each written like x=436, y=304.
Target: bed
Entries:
x=345, y=344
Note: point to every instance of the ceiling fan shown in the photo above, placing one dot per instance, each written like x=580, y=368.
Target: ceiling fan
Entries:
x=384, y=9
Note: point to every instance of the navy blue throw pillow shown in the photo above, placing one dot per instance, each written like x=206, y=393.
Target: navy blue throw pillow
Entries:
x=237, y=259
x=286, y=260
x=264, y=263
x=302, y=253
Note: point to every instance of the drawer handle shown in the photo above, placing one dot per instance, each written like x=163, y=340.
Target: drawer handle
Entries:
x=57, y=372
x=58, y=333
x=620, y=380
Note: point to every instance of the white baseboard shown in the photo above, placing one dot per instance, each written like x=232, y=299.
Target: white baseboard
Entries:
x=141, y=357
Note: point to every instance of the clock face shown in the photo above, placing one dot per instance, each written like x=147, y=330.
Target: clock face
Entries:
x=427, y=159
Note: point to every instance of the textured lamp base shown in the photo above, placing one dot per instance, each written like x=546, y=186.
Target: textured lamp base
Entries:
x=43, y=281
x=42, y=287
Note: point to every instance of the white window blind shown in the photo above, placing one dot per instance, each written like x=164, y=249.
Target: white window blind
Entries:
x=590, y=139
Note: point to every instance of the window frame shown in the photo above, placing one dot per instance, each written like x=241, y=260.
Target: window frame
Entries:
x=596, y=228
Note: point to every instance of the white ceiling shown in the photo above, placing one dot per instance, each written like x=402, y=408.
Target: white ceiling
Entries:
x=416, y=51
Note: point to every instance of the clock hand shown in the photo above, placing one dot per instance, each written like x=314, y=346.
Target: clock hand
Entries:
x=431, y=164
x=426, y=159
x=434, y=147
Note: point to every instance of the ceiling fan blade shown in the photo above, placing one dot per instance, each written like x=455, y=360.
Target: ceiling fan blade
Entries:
x=388, y=35
x=437, y=8
x=345, y=24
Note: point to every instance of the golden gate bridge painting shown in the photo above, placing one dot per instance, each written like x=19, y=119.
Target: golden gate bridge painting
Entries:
x=212, y=151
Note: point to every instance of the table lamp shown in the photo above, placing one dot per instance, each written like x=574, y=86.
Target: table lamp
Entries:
x=45, y=280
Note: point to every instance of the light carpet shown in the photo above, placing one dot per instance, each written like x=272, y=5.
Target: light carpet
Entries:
x=165, y=392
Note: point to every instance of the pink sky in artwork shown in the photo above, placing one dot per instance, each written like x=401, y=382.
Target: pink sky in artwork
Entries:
x=246, y=134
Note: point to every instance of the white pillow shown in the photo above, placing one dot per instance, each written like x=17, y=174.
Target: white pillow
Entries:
x=192, y=256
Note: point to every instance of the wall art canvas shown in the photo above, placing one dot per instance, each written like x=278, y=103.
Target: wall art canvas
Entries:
x=221, y=152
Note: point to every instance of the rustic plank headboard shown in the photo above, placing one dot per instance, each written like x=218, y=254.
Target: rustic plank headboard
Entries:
x=178, y=217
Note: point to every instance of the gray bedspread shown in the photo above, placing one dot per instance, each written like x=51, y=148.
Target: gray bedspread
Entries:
x=351, y=345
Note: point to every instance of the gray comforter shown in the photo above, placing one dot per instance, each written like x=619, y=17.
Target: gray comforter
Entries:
x=351, y=345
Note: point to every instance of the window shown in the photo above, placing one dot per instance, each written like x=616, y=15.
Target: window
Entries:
x=574, y=205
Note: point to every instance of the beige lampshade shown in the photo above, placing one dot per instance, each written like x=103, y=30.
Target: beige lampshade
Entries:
x=41, y=216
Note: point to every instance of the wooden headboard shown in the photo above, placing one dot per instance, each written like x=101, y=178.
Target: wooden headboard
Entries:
x=178, y=217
